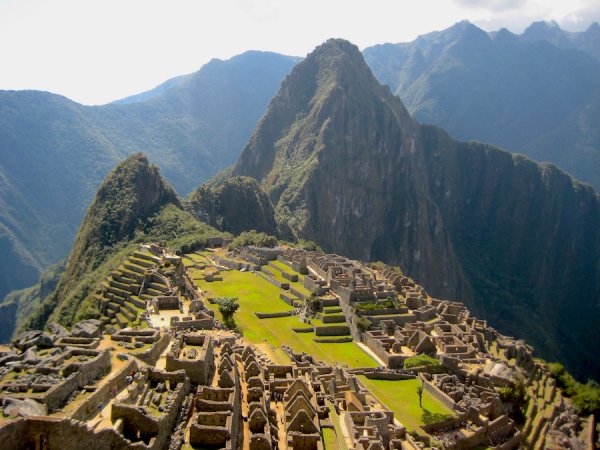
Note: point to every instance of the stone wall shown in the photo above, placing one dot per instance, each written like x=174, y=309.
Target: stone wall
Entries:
x=336, y=330
x=441, y=396
x=273, y=281
x=286, y=298
x=151, y=355
x=82, y=375
x=60, y=434
x=273, y=315
x=89, y=407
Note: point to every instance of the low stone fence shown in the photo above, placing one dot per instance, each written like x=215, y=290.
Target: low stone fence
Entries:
x=336, y=330
x=80, y=342
x=280, y=285
x=274, y=315
x=377, y=312
x=333, y=340
x=389, y=376
x=303, y=330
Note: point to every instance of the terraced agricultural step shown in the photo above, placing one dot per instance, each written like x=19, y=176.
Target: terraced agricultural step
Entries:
x=132, y=308
x=147, y=256
x=158, y=286
x=153, y=292
x=119, y=285
x=138, y=302
x=111, y=314
x=128, y=277
x=138, y=277
x=115, y=298
x=129, y=315
x=141, y=262
x=333, y=318
x=145, y=297
x=134, y=268
x=121, y=320
x=114, y=306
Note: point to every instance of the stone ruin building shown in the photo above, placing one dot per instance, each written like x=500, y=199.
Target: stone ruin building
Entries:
x=132, y=380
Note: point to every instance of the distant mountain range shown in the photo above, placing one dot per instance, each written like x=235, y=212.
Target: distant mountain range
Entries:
x=536, y=94
x=54, y=152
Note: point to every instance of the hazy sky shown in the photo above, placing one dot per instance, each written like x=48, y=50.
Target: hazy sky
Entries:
x=96, y=51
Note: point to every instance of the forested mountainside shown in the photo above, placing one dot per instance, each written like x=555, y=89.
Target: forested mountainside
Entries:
x=54, y=152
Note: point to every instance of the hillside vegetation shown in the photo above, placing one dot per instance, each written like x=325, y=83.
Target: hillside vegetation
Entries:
x=54, y=153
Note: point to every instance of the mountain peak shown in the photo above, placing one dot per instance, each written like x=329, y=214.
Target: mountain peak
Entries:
x=543, y=30
x=132, y=191
x=332, y=78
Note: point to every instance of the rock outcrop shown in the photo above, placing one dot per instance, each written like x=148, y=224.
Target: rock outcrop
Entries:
x=239, y=204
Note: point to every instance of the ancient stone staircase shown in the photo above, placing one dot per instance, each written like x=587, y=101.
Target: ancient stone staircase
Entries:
x=124, y=293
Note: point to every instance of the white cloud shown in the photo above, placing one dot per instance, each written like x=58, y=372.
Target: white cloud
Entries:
x=492, y=5
x=582, y=18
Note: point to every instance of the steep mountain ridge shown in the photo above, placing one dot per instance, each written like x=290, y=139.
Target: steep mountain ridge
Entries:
x=54, y=153
x=324, y=174
x=526, y=96
x=528, y=237
x=587, y=41
x=347, y=167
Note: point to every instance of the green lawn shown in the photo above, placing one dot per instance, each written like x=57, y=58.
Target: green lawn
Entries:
x=284, y=267
x=340, y=442
x=401, y=397
x=196, y=258
x=330, y=441
x=293, y=284
x=258, y=295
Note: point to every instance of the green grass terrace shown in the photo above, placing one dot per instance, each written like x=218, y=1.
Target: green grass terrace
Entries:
x=401, y=397
x=258, y=295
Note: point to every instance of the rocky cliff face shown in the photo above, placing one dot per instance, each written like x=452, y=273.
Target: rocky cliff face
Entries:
x=337, y=154
x=527, y=236
x=239, y=204
x=347, y=167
